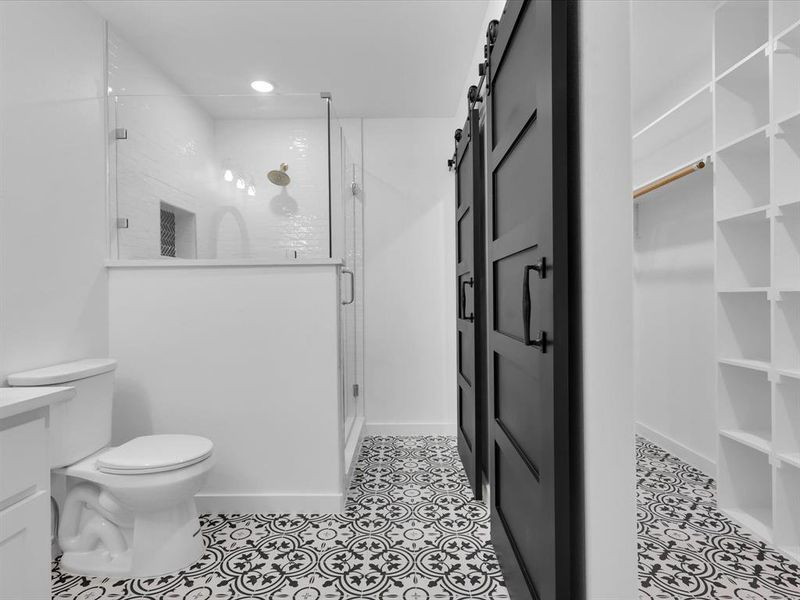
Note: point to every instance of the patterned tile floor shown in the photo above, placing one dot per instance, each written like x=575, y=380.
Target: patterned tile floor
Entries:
x=687, y=549
x=410, y=531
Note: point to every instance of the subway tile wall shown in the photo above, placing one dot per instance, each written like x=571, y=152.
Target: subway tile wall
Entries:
x=176, y=152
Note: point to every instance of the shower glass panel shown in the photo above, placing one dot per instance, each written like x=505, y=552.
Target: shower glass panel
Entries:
x=349, y=213
x=192, y=174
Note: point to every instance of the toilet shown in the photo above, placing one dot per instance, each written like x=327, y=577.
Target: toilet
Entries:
x=129, y=510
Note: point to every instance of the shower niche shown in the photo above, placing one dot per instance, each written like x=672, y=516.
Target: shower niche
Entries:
x=178, y=231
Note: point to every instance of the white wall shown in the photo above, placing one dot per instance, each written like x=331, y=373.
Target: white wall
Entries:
x=674, y=253
x=494, y=10
x=246, y=356
x=662, y=79
x=52, y=219
x=607, y=297
x=409, y=319
x=410, y=367
x=674, y=320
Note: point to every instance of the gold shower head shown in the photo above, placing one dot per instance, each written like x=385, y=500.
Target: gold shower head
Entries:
x=279, y=176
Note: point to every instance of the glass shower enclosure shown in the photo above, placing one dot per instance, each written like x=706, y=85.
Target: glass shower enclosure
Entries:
x=244, y=179
x=352, y=313
x=191, y=177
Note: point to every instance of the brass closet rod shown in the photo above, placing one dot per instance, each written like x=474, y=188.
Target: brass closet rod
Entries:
x=658, y=183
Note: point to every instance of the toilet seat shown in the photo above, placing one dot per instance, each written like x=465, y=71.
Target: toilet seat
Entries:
x=154, y=454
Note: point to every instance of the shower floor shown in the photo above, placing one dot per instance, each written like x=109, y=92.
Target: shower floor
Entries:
x=411, y=530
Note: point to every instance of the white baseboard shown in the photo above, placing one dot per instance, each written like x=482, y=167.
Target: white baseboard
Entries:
x=269, y=503
x=698, y=461
x=411, y=428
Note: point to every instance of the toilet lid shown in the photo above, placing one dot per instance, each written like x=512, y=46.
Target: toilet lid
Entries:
x=155, y=454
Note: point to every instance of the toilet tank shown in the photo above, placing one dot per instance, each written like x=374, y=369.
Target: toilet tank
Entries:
x=81, y=426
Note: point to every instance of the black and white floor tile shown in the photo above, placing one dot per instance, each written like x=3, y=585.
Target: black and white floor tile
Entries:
x=688, y=549
x=410, y=531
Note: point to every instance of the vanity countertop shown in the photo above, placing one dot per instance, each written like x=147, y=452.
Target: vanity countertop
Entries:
x=16, y=400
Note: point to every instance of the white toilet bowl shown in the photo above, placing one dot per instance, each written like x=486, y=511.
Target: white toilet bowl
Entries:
x=140, y=518
x=129, y=510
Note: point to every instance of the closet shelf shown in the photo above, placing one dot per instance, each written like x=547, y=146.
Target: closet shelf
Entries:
x=790, y=121
x=790, y=35
x=741, y=179
x=793, y=28
x=785, y=72
x=757, y=266
x=791, y=373
x=792, y=459
x=744, y=290
x=788, y=132
x=741, y=99
x=791, y=203
x=739, y=27
x=761, y=50
x=684, y=115
x=761, y=130
x=751, y=215
x=745, y=363
x=757, y=440
x=786, y=160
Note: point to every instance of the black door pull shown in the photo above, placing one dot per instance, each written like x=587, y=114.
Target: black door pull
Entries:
x=541, y=341
x=462, y=305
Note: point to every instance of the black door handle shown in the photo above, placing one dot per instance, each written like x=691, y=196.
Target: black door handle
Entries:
x=541, y=341
x=462, y=304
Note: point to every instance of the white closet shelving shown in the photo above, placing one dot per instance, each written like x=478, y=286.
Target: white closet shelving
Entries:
x=756, y=161
x=786, y=73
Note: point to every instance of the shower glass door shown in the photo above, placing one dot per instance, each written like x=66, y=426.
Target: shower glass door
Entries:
x=352, y=311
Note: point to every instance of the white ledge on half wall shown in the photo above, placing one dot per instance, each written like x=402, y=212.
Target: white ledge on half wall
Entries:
x=167, y=263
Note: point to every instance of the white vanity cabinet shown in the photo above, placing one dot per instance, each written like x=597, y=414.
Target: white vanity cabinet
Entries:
x=25, y=491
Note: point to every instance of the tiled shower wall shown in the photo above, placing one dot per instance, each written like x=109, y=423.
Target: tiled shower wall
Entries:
x=277, y=220
x=176, y=152
x=168, y=156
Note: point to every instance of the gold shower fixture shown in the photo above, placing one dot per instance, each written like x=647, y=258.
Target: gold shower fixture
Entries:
x=279, y=176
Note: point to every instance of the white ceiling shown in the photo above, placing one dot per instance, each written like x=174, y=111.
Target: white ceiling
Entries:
x=379, y=58
x=670, y=53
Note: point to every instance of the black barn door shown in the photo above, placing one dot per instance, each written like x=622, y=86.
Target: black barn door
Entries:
x=470, y=282
x=529, y=298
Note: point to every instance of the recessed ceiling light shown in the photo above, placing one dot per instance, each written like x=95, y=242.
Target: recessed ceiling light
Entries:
x=262, y=86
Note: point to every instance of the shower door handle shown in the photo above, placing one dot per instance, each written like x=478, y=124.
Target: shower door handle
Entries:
x=352, y=287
